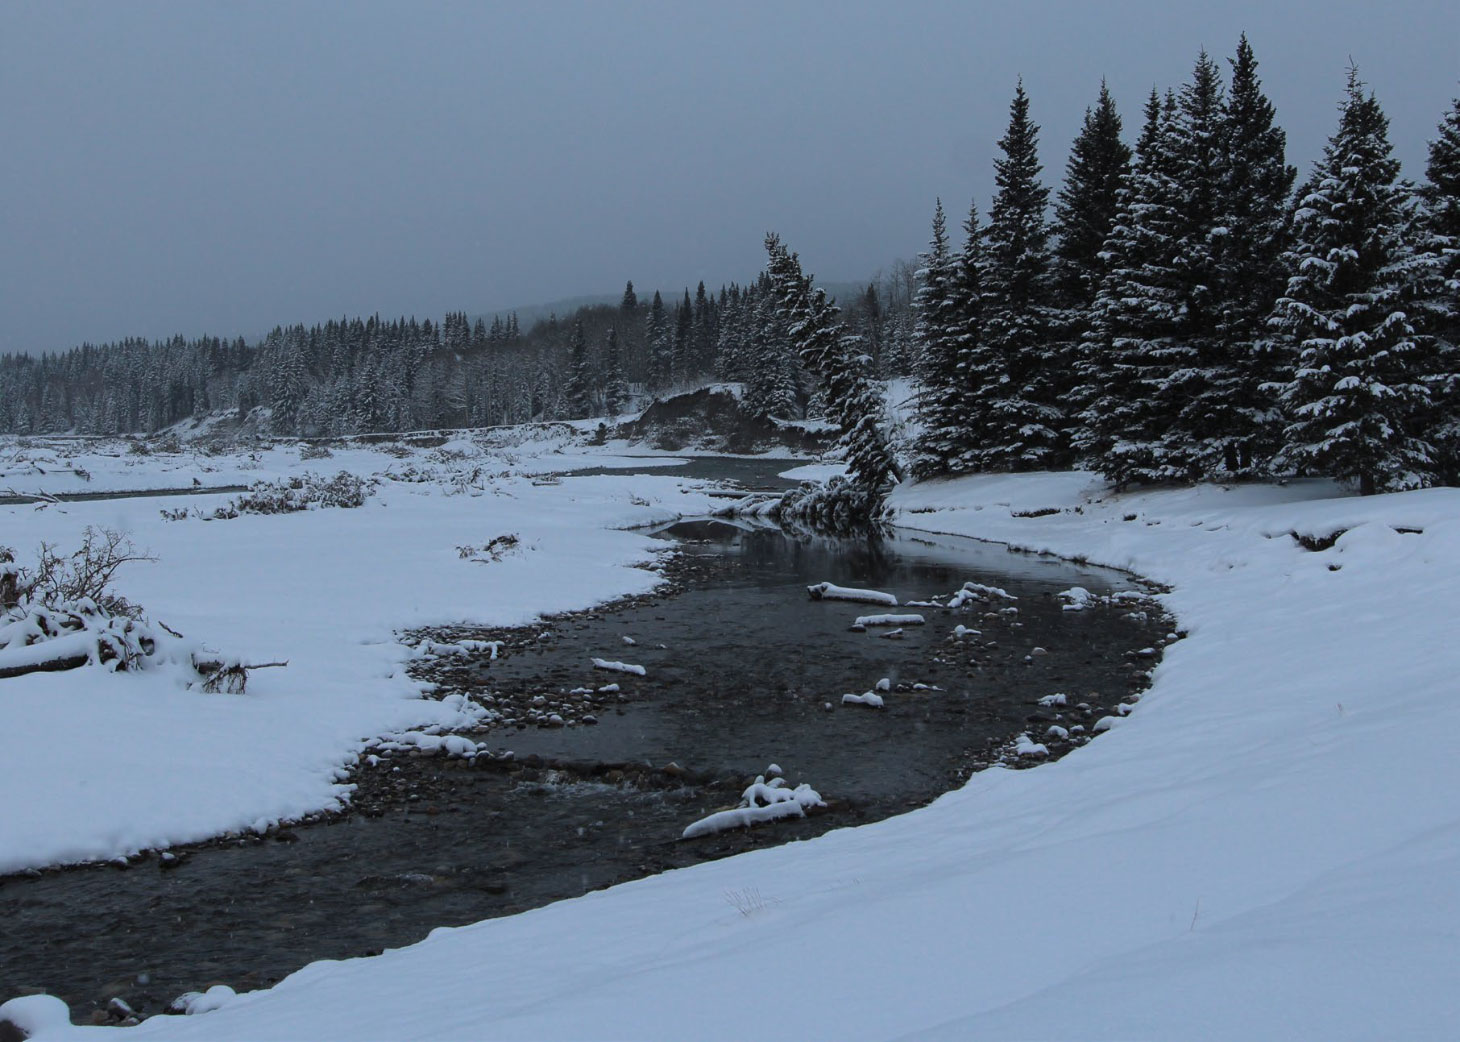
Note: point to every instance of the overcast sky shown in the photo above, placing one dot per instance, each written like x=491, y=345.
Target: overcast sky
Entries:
x=224, y=167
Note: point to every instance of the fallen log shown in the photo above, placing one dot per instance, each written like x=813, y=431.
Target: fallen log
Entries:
x=51, y=656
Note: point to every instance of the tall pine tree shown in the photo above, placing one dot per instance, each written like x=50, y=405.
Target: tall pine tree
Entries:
x=1020, y=422
x=1441, y=238
x=1251, y=233
x=1086, y=207
x=1135, y=320
x=1357, y=397
x=941, y=393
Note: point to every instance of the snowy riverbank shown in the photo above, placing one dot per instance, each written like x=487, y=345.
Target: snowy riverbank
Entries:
x=1266, y=848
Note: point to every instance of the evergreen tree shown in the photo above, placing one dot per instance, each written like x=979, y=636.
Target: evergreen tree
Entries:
x=579, y=390
x=1132, y=348
x=1441, y=194
x=1254, y=186
x=853, y=397
x=1018, y=403
x=771, y=384
x=940, y=399
x=660, y=342
x=1357, y=396
x=630, y=302
x=615, y=391
x=1086, y=208
x=1193, y=392
x=683, y=339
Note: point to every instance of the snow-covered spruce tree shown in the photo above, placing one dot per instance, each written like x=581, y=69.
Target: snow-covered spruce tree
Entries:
x=578, y=392
x=1016, y=396
x=615, y=390
x=942, y=390
x=1086, y=207
x=1131, y=348
x=683, y=364
x=853, y=397
x=659, y=341
x=1358, y=395
x=771, y=380
x=1195, y=388
x=1441, y=242
x=1253, y=189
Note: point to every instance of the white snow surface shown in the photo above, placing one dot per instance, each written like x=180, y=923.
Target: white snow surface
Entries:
x=815, y=472
x=95, y=765
x=1266, y=848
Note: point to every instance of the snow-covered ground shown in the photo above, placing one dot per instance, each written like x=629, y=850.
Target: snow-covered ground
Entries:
x=95, y=765
x=1267, y=848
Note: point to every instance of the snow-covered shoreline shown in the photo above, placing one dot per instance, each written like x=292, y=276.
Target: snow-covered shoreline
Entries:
x=1265, y=848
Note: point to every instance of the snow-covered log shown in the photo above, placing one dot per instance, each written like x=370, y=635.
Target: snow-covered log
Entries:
x=889, y=620
x=830, y=592
x=763, y=801
x=619, y=667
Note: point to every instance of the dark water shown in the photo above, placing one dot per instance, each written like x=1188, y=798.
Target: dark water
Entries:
x=741, y=668
x=758, y=473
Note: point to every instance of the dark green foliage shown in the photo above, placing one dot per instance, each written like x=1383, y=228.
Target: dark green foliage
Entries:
x=1085, y=212
x=1357, y=399
x=1017, y=383
x=854, y=399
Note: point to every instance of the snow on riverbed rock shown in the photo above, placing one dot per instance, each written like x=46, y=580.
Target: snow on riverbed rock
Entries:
x=1026, y=746
x=32, y=1014
x=830, y=592
x=866, y=698
x=619, y=667
x=763, y=801
x=889, y=620
x=978, y=593
x=1076, y=598
x=194, y=1002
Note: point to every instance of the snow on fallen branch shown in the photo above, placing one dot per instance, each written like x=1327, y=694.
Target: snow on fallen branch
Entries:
x=972, y=592
x=619, y=667
x=889, y=620
x=62, y=614
x=830, y=592
x=763, y=801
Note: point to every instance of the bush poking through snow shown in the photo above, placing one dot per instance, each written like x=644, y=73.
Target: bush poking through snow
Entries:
x=84, y=576
x=305, y=492
x=63, y=614
x=494, y=550
x=763, y=801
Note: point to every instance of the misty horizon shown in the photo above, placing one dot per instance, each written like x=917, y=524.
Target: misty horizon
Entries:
x=190, y=170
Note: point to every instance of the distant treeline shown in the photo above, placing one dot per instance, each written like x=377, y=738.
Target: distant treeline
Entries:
x=355, y=375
